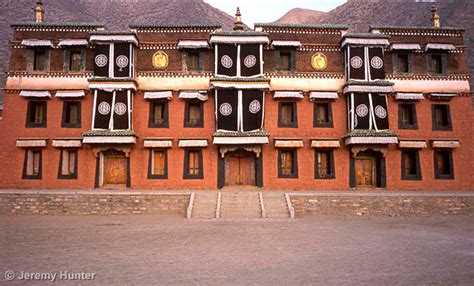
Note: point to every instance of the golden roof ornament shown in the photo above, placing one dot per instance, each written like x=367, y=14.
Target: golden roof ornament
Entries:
x=435, y=19
x=39, y=12
x=238, y=25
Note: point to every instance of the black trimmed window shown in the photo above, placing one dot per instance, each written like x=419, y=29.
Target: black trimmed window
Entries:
x=324, y=164
x=437, y=63
x=68, y=164
x=158, y=164
x=193, y=165
x=441, y=117
x=194, y=114
x=287, y=115
x=443, y=163
x=402, y=62
x=193, y=60
x=322, y=115
x=287, y=163
x=71, y=117
x=36, y=114
x=32, y=166
x=40, y=60
x=407, y=118
x=411, y=169
x=158, y=117
x=285, y=60
x=74, y=60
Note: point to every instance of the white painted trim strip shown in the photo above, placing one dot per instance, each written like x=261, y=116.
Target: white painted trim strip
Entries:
x=189, y=211
x=218, y=205
x=70, y=93
x=291, y=210
x=109, y=139
x=262, y=205
x=63, y=143
x=240, y=140
x=183, y=143
x=168, y=94
x=26, y=143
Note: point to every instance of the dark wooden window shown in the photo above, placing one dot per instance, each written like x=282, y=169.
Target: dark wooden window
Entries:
x=411, y=165
x=436, y=64
x=285, y=61
x=68, y=164
x=193, y=61
x=40, y=60
x=287, y=163
x=158, y=164
x=193, y=165
x=407, y=118
x=287, y=115
x=71, y=114
x=193, y=116
x=32, y=167
x=158, y=117
x=441, y=117
x=36, y=114
x=324, y=164
x=403, y=63
x=322, y=114
x=75, y=61
x=443, y=162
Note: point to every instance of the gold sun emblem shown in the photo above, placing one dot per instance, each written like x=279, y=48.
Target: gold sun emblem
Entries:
x=160, y=60
x=319, y=61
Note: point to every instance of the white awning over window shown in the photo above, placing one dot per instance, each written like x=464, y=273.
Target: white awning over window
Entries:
x=371, y=140
x=29, y=143
x=368, y=88
x=239, y=85
x=70, y=93
x=114, y=38
x=412, y=144
x=73, y=42
x=184, y=143
x=444, y=94
x=361, y=41
x=288, y=143
x=445, y=144
x=406, y=47
x=37, y=43
x=67, y=143
x=240, y=140
x=35, y=93
x=239, y=40
x=157, y=143
x=193, y=44
x=277, y=43
x=288, y=94
x=435, y=46
x=330, y=143
x=165, y=94
x=110, y=140
x=193, y=94
x=409, y=96
x=109, y=87
x=323, y=95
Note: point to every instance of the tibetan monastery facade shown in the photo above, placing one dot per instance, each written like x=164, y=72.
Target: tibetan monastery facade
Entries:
x=293, y=107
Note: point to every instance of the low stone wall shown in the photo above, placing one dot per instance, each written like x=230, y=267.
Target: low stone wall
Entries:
x=381, y=205
x=93, y=204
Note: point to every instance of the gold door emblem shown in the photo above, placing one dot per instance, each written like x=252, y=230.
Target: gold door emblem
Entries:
x=160, y=60
x=319, y=61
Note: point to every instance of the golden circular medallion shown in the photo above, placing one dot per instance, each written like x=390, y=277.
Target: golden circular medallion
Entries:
x=319, y=61
x=160, y=60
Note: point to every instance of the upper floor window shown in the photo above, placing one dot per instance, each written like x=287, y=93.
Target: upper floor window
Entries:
x=158, y=114
x=193, y=61
x=322, y=114
x=239, y=60
x=36, y=114
x=74, y=60
x=407, y=116
x=71, y=114
x=40, y=60
x=365, y=63
x=287, y=115
x=402, y=62
x=441, y=117
x=193, y=115
x=285, y=60
x=437, y=63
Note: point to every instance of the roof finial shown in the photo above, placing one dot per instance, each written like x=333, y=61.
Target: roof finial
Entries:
x=39, y=11
x=238, y=25
x=435, y=19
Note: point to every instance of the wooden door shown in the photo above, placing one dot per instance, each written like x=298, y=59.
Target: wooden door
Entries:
x=239, y=171
x=115, y=170
x=365, y=172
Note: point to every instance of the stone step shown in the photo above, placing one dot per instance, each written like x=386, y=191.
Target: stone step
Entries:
x=204, y=206
x=275, y=206
x=240, y=205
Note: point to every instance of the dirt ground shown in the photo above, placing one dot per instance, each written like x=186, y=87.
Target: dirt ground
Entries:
x=153, y=250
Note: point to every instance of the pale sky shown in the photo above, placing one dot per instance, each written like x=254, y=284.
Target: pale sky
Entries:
x=262, y=11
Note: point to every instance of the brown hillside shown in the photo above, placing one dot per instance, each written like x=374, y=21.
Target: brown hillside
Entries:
x=299, y=15
x=116, y=14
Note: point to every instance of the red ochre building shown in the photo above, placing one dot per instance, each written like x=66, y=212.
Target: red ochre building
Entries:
x=182, y=106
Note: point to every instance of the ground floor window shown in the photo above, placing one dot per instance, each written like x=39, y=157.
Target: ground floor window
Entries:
x=443, y=162
x=32, y=168
x=287, y=164
x=68, y=164
x=324, y=166
x=411, y=165
x=158, y=164
x=193, y=165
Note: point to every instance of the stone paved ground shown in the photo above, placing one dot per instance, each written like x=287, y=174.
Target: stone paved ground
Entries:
x=152, y=250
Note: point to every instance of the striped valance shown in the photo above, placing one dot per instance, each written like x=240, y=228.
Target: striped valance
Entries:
x=239, y=40
x=194, y=94
x=114, y=38
x=436, y=46
x=31, y=143
x=157, y=143
x=70, y=93
x=110, y=87
x=368, y=88
x=67, y=143
x=409, y=96
x=362, y=41
x=73, y=42
x=413, y=144
x=37, y=43
x=407, y=47
x=288, y=94
x=165, y=94
x=325, y=143
x=445, y=144
x=193, y=44
x=245, y=140
x=297, y=143
x=277, y=43
x=238, y=85
x=371, y=140
x=185, y=143
x=323, y=95
x=35, y=93
x=109, y=140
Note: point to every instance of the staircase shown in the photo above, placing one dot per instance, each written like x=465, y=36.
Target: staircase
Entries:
x=204, y=205
x=236, y=204
x=275, y=205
